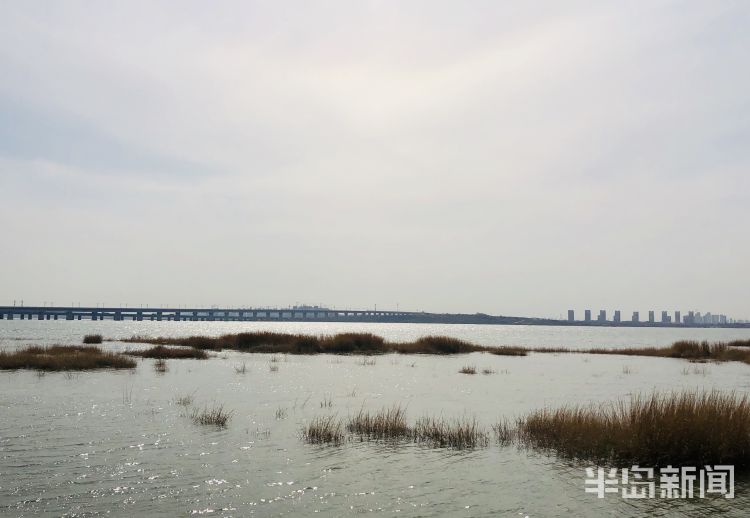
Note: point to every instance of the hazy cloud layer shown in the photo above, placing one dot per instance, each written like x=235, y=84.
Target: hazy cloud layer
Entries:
x=510, y=158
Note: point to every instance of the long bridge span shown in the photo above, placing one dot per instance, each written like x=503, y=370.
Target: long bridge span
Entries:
x=204, y=314
x=296, y=314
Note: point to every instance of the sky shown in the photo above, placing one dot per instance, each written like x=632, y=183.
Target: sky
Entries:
x=511, y=158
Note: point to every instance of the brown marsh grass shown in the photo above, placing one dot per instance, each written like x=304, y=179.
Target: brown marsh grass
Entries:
x=160, y=366
x=468, y=369
x=459, y=433
x=681, y=429
x=324, y=430
x=63, y=357
x=162, y=352
x=388, y=423
x=215, y=415
x=684, y=349
x=93, y=339
x=342, y=343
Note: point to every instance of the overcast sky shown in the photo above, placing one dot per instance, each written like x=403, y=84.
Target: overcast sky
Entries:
x=515, y=158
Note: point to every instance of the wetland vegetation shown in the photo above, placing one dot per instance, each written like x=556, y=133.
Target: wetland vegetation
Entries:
x=63, y=358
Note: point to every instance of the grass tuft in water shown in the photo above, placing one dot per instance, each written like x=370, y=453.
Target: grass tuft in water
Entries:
x=324, y=430
x=215, y=415
x=63, y=357
x=468, y=369
x=388, y=423
x=162, y=352
x=459, y=433
x=681, y=429
x=93, y=339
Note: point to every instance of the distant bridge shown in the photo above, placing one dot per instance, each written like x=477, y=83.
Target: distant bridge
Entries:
x=307, y=314
x=202, y=314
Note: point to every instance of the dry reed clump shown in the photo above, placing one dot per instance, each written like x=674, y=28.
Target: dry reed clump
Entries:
x=468, y=369
x=93, y=339
x=215, y=415
x=689, y=350
x=273, y=367
x=685, y=349
x=681, y=429
x=162, y=352
x=388, y=423
x=459, y=433
x=324, y=430
x=445, y=345
x=160, y=366
x=63, y=357
x=342, y=343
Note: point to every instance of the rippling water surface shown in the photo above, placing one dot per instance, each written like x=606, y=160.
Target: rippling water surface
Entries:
x=116, y=443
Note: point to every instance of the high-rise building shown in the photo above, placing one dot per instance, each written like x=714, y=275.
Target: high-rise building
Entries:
x=664, y=317
x=587, y=315
x=616, y=318
x=636, y=316
x=571, y=315
x=651, y=317
x=677, y=319
x=602, y=315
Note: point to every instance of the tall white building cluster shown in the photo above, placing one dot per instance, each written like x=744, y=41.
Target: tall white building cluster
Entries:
x=691, y=318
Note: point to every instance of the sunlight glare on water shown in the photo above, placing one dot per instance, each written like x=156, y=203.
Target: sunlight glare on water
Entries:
x=118, y=442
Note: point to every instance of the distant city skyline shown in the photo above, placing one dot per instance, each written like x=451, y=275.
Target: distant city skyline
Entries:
x=665, y=317
x=510, y=158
